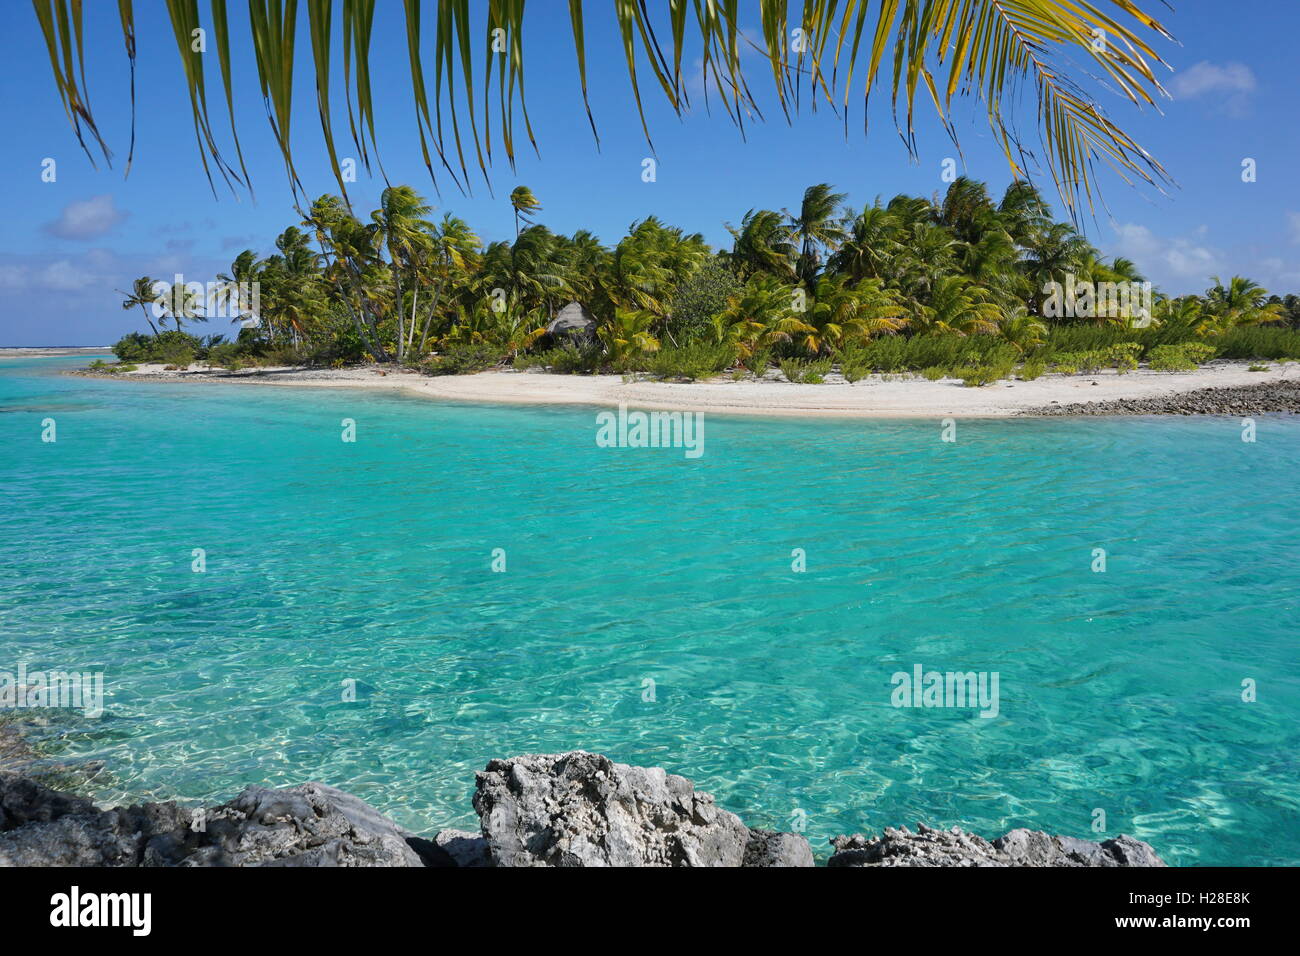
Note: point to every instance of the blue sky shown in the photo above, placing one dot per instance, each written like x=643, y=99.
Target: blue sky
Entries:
x=66, y=246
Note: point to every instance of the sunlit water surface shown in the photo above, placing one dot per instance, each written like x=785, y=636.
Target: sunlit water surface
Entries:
x=329, y=562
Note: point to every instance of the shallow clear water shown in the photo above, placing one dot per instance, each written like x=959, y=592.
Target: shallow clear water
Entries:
x=329, y=561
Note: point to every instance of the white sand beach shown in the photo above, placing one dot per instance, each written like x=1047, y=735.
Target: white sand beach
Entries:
x=876, y=396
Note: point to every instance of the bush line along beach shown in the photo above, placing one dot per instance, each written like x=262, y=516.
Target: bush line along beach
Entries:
x=959, y=287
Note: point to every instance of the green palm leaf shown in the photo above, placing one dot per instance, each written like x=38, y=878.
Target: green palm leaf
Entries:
x=931, y=50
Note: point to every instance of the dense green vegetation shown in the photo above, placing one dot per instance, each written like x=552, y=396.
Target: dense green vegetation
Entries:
x=953, y=287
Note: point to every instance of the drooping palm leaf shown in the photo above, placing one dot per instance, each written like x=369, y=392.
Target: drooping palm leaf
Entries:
x=358, y=21
x=273, y=24
x=221, y=35
x=930, y=50
x=187, y=30
x=127, y=16
x=58, y=22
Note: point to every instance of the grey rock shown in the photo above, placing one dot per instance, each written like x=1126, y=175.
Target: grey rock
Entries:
x=24, y=801
x=572, y=809
x=42, y=827
x=1262, y=399
x=308, y=825
x=1035, y=848
x=582, y=809
x=930, y=847
x=770, y=848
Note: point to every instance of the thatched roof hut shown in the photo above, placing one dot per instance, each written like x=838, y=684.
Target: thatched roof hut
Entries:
x=574, y=321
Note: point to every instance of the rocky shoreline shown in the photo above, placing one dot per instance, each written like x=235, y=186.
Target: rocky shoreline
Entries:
x=1266, y=398
x=570, y=809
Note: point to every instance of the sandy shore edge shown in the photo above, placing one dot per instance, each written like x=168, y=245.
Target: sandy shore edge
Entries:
x=877, y=396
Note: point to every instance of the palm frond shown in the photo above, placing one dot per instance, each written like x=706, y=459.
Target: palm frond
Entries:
x=928, y=50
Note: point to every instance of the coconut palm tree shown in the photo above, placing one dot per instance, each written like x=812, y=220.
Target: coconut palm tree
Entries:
x=760, y=316
x=956, y=305
x=817, y=227
x=872, y=245
x=843, y=314
x=525, y=205
x=967, y=210
x=400, y=227
x=351, y=263
x=142, y=294
x=627, y=335
x=235, y=286
x=455, y=258
x=648, y=266
x=585, y=262
x=181, y=303
x=986, y=51
x=530, y=272
x=1023, y=212
x=1051, y=255
x=764, y=243
x=1021, y=330
x=1241, y=302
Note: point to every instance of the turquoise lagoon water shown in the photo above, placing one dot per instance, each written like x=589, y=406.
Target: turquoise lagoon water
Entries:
x=329, y=561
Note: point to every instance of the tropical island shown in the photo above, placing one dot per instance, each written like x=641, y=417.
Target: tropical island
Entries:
x=963, y=288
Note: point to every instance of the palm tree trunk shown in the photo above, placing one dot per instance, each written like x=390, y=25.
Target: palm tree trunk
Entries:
x=149, y=320
x=401, y=312
x=415, y=300
x=428, y=318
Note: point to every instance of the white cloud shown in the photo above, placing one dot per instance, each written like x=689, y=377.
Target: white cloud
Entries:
x=1167, y=260
x=58, y=276
x=1182, y=264
x=1293, y=219
x=1206, y=77
x=86, y=219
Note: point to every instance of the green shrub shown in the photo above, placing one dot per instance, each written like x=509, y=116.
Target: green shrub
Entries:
x=1259, y=342
x=758, y=362
x=1180, y=358
x=1092, y=360
x=133, y=347
x=280, y=355
x=854, y=365
x=526, y=360
x=168, y=348
x=175, y=355
x=934, y=373
x=1258, y=368
x=691, y=362
x=806, y=371
x=464, y=360
x=226, y=355
x=1031, y=370
x=698, y=299
x=574, y=359
x=1170, y=358
x=978, y=375
x=1124, y=356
